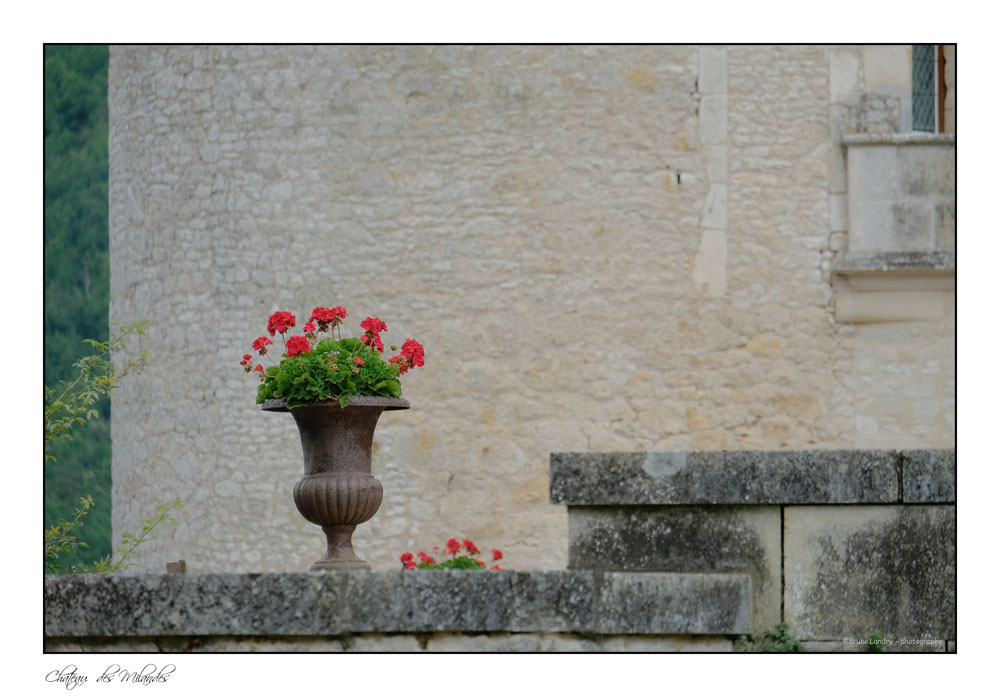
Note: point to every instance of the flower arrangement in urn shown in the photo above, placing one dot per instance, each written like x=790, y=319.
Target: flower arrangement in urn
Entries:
x=335, y=389
x=314, y=370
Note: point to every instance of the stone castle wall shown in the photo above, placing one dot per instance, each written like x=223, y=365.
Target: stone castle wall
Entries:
x=601, y=248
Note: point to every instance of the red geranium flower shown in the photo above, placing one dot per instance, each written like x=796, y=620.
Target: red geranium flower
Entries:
x=309, y=327
x=495, y=568
x=373, y=325
x=260, y=344
x=326, y=316
x=471, y=546
x=497, y=556
x=280, y=322
x=453, y=546
x=411, y=565
x=372, y=341
x=413, y=351
x=481, y=563
x=296, y=345
x=411, y=355
x=405, y=557
x=358, y=360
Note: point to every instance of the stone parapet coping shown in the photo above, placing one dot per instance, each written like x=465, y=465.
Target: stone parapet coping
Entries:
x=860, y=262
x=914, y=138
x=752, y=477
x=317, y=604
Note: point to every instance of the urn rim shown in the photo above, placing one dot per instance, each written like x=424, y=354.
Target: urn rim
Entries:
x=386, y=403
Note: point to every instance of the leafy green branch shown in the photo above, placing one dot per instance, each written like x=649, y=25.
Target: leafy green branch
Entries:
x=60, y=540
x=75, y=403
x=131, y=542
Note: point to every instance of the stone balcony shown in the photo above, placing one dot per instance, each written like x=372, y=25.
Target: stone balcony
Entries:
x=900, y=258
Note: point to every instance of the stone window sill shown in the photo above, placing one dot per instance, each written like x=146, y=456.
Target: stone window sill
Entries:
x=895, y=286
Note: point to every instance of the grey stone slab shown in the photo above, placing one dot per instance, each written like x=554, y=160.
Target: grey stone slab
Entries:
x=724, y=477
x=654, y=603
x=928, y=476
x=702, y=539
x=319, y=604
x=854, y=570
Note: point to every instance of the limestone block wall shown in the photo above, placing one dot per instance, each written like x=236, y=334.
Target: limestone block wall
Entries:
x=601, y=248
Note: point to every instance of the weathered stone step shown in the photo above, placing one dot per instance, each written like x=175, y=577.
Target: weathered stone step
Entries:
x=588, y=602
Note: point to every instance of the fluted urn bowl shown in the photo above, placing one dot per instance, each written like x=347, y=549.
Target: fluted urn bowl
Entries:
x=338, y=491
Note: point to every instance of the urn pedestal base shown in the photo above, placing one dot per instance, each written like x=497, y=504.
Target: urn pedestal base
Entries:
x=340, y=554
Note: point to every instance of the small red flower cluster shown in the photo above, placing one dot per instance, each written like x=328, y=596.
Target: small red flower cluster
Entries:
x=410, y=355
x=260, y=344
x=454, y=547
x=280, y=322
x=372, y=327
x=327, y=317
x=296, y=345
x=247, y=362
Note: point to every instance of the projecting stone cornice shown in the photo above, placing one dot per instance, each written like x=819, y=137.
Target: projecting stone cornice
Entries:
x=914, y=138
x=752, y=477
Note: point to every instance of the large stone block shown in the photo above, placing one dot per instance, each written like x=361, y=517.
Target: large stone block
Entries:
x=721, y=477
x=929, y=476
x=852, y=570
x=331, y=604
x=723, y=539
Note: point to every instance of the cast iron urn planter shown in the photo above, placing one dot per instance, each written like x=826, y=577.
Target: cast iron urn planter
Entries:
x=338, y=491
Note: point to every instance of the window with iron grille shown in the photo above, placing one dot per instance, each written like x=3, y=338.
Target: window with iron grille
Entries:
x=926, y=70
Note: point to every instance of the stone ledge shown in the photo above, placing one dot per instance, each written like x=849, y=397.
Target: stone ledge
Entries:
x=912, y=138
x=591, y=602
x=724, y=477
x=938, y=261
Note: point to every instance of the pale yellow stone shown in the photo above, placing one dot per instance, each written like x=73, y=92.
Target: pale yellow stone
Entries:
x=765, y=345
x=641, y=78
x=715, y=439
x=683, y=143
x=423, y=442
x=799, y=405
x=778, y=427
x=694, y=419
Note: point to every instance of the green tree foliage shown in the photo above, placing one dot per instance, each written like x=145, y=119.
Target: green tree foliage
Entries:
x=76, y=277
